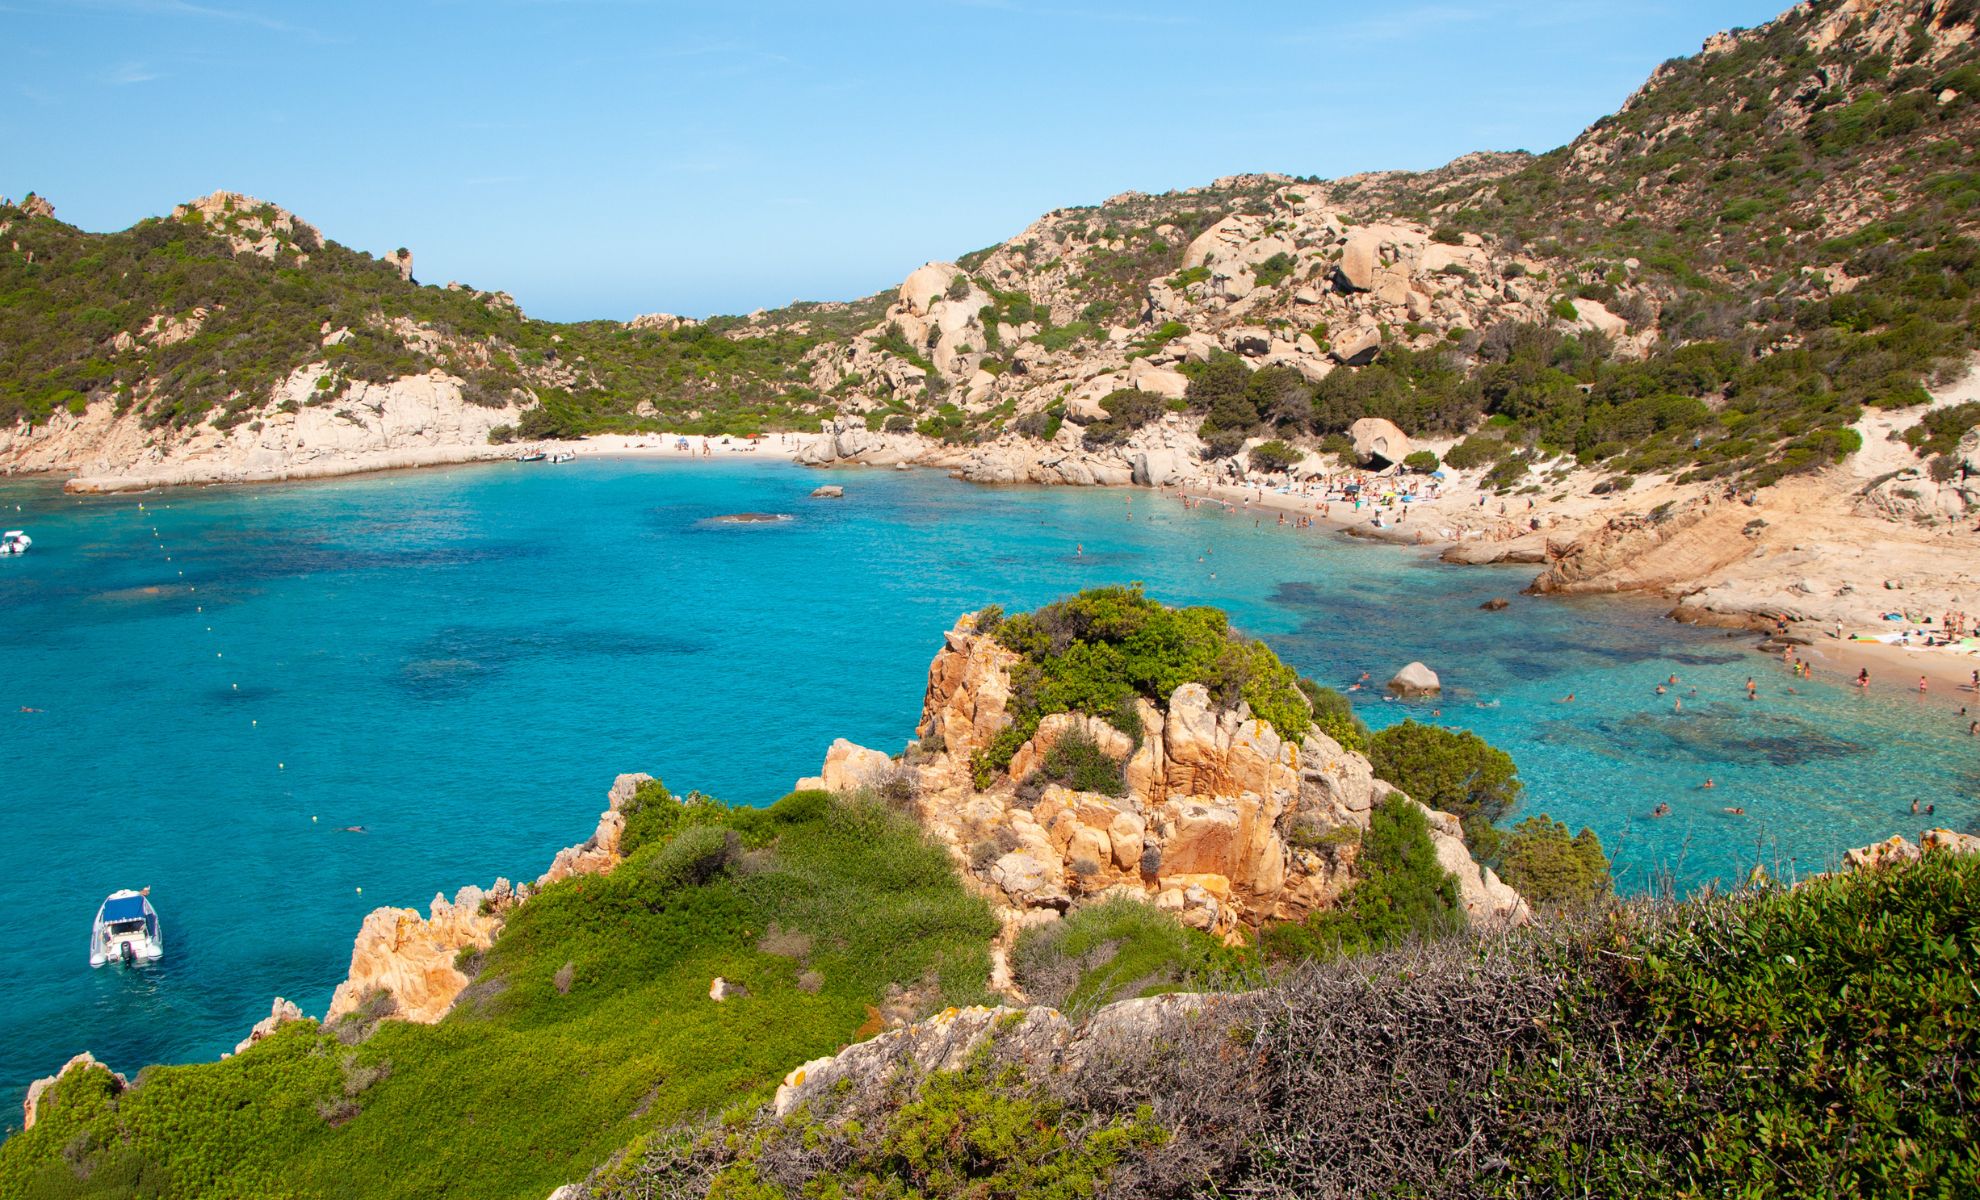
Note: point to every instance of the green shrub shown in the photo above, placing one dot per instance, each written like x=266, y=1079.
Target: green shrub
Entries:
x=1540, y=861
x=1275, y=456
x=1094, y=652
x=1115, y=949
x=1077, y=761
x=1456, y=772
x=1401, y=893
x=1421, y=461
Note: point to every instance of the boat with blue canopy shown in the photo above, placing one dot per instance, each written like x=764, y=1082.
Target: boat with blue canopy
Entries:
x=126, y=930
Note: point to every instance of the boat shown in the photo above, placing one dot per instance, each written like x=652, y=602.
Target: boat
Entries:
x=531, y=456
x=15, y=541
x=126, y=930
x=563, y=456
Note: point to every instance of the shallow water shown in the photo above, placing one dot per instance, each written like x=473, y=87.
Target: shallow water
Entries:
x=458, y=661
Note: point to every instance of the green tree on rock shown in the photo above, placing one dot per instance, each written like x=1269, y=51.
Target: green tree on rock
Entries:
x=1547, y=866
x=1454, y=771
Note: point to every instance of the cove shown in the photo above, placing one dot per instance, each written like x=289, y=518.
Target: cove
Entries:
x=458, y=661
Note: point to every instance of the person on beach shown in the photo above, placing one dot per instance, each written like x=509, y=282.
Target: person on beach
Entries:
x=1863, y=678
x=1921, y=685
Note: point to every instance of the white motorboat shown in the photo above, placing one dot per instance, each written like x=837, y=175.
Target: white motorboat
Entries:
x=562, y=456
x=126, y=930
x=15, y=541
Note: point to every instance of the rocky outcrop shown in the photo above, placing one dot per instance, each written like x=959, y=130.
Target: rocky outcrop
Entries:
x=1665, y=552
x=949, y=1040
x=418, y=420
x=281, y=1013
x=412, y=959
x=1222, y=821
x=1378, y=441
x=1897, y=850
x=38, y=1090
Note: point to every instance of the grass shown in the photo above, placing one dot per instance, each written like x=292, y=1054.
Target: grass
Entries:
x=524, y=1087
x=1116, y=949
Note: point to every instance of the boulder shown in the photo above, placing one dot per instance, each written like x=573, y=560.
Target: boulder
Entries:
x=1594, y=315
x=1416, y=680
x=1496, y=604
x=1378, y=442
x=1361, y=257
x=1949, y=841
x=927, y=284
x=1358, y=349
x=830, y=491
x=848, y=768
x=721, y=989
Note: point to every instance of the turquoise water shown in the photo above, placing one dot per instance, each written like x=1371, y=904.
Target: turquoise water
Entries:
x=459, y=661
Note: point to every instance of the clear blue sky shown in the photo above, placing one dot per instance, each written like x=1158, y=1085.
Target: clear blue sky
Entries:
x=607, y=157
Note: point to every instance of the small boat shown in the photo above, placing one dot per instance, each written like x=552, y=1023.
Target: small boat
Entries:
x=126, y=930
x=531, y=456
x=562, y=456
x=15, y=541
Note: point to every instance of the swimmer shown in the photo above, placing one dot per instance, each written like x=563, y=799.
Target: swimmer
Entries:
x=1662, y=810
x=1673, y=681
x=352, y=829
x=1567, y=699
x=26, y=709
x=1914, y=807
x=1930, y=809
x=1660, y=689
x=1737, y=812
x=1708, y=785
x=1677, y=706
x=1079, y=549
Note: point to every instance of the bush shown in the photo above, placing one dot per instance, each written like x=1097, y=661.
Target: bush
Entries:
x=1542, y=863
x=1334, y=715
x=1077, y=762
x=1421, y=461
x=1127, y=409
x=1275, y=457
x=1401, y=894
x=1095, y=652
x=1455, y=772
x=1116, y=949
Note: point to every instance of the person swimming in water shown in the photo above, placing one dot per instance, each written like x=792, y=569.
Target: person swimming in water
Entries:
x=1708, y=785
x=1737, y=812
x=1662, y=810
x=352, y=829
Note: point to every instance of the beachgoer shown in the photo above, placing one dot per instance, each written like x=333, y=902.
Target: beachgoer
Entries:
x=1708, y=785
x=1863, y=678
x=1737, y=812
x=1568, y=699
x=1662, y=810
x=1660, y=689
x=1674, y=679
x=1914, y=806
x=1079, y=549
x=1921, y=684
x=1677, y=706
x=1930, y=809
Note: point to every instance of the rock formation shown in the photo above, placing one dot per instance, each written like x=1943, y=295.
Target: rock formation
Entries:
x=1897, y=849
x=948, y=1041
x=279, y=1014
x=1221, y=820
x=81, y=1063
x=411, y=959
x=1416, y=680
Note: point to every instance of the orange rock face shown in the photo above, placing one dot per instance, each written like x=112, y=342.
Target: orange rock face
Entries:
x=1221, y=823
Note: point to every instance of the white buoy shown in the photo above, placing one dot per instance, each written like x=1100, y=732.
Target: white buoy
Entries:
x=312, y=819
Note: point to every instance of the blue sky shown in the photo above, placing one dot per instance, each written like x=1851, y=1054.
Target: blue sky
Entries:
x=598, y=158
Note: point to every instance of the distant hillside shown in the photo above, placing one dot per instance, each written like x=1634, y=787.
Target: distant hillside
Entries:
x=1711, y=282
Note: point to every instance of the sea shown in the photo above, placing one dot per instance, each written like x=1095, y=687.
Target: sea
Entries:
x=281, y=706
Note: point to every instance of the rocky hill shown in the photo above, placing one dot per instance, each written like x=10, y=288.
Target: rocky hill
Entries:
x=1712, y=283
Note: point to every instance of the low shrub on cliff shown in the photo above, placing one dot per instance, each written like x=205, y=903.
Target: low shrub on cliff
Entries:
x=1401, y=893
x=1814, y=1041
x=1117, y=949
x=588, y=1025
x=1095, y=652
